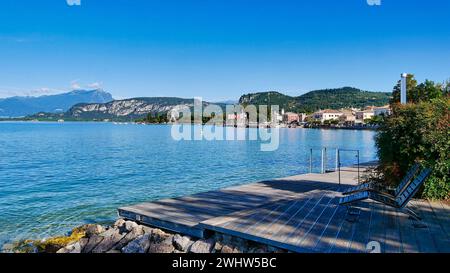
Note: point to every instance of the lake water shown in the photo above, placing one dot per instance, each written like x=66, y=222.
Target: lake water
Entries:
x=56, y=176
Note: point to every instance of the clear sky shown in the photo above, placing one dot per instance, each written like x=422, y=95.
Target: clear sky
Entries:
x=219, y=49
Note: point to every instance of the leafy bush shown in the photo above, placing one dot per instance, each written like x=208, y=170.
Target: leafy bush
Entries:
x=417, y=133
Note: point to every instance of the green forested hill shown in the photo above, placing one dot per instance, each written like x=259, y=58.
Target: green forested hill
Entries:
x=319, y=99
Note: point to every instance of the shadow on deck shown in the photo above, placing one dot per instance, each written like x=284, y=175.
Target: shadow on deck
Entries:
x=300, y=214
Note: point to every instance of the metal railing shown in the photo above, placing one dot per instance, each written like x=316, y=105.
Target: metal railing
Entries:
x=338, y=163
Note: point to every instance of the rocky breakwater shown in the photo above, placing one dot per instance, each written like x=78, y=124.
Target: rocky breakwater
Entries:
x=130, y=237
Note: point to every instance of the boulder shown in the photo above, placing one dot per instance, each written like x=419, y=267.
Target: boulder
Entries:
x=119, y=223
x=76, y=247
x=158, y=235
x=161, y=242
x=83, y=242
x=94, y=230
x=217, y=247
x=138, y=245
x=133, y=234
x=129, y=225
x=227, y=249
x=202, y=246
x=182, y=243
x=237, y=250
x=92, y=243
x=113, y=251
x=164, y=246
x=66, y=249
x=110, y=238
x=147, y=230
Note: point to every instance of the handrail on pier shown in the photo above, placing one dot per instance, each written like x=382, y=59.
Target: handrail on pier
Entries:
x=338, y=160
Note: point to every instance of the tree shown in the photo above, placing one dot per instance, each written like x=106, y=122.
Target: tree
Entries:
x=417, y=132
x=425, y=92
x=334, y=121
x=411, y=84
x=416, y=93
x=446, y=88
x=375, y=120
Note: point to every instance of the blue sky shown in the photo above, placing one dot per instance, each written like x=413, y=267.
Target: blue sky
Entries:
x=219, y=49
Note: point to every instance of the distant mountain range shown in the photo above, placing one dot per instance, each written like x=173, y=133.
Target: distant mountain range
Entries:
x=320, y=99
x=136, y=108
x=127, y=109
x=60, y=103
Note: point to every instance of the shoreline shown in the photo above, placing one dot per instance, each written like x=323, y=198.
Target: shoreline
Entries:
x=368, y=128
x=126, y=236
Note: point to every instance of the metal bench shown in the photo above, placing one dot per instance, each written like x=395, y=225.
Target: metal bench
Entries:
x=383, y=190
x=398, y=202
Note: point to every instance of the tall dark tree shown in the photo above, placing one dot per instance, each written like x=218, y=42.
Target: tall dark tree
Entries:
x=411, y=84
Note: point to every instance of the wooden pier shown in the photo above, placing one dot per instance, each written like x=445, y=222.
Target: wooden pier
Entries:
x=300, y=214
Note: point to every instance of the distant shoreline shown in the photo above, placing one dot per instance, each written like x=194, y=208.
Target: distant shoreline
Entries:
x=168, y=124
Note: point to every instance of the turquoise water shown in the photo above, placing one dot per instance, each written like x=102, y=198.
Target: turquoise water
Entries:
x=55, y=176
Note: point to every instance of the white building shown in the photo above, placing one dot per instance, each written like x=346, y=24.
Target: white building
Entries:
x=366, y=114
x=348, y=117
x=237, y=119
x=277, y=117
x=382, y=111
x=327, y=114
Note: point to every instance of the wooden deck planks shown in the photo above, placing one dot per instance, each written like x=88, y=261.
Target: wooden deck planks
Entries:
x=393, y=242
x=443, y=220
x=361, y=229
x=439, y=237
x=300, y=214
x=309, y=220
x=286, y=232
x=425, y=240
x=316, y=231
x=376, y=231
x=407, y=232
x=331, y=231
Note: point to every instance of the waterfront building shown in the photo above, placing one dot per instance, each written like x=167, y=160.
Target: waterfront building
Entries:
x=290, y=117
x=382, y=111
x=327, y=114
x=348, y=117
x=364, y=115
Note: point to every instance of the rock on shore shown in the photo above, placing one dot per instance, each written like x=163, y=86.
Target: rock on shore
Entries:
x=130, y=237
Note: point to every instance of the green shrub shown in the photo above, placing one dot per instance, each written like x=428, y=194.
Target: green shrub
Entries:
x=417, y=133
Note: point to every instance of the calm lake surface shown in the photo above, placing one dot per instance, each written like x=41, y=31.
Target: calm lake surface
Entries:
x=56, y=176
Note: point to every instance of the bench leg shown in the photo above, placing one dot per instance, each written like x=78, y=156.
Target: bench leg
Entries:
x=416, y=218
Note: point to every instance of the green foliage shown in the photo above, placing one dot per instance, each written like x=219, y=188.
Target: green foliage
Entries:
x=155, y=118
x=417, y=133
x=320, y=99
x=330, y=122
x=375, y=120
x=417, y=93
x=411, y=84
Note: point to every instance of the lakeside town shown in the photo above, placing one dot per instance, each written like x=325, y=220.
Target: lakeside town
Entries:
x=354, y=118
